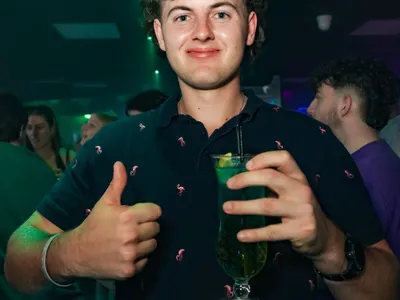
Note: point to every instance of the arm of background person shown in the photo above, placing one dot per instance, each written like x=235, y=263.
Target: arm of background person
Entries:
x=345, y=201
x=63, y=209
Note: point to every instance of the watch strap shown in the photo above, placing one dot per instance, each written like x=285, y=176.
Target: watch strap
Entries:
x=355, y=256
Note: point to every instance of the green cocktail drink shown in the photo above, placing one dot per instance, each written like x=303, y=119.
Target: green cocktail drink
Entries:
x=241, y=261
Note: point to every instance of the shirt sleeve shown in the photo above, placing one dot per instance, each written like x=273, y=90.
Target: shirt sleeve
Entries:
x=79, y=188
x=391, y=135
x=342, y=194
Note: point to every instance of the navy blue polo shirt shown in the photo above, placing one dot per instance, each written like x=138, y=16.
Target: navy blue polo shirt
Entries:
x=167, y=157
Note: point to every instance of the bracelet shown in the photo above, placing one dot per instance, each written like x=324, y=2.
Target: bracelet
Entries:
x=44, y=268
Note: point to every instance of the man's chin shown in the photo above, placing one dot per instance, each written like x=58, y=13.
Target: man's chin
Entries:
x=206, y=83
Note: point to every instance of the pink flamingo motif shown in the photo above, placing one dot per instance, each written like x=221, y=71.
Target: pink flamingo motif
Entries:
x=134, y=169
x=181, y=189
x=276, y=108
x=87, y=211
x=99, y=151
x=349, y=175
x=229, y=292
x=179, y=257
x=142, y=127
x=312, y=286
x=279, y=145
x=317, y=177
x=75, y=164
x=182, y=141
x=277, y=255
x=322, y=130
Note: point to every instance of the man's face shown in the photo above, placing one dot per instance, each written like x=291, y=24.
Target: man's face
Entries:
x=133, y=112
x=324, y=107
x=91, y=128
x=205, y=40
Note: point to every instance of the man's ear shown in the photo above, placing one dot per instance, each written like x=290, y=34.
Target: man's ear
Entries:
x=159, y=34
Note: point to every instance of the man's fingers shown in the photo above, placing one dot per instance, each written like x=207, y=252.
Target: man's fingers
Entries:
x=139, y=265
x=112, y=196
x=145, y=248
x=276, y=232
x=282, y=160
x=273, y=179
x=267, y=207
x=145, y=212
x=148, y=230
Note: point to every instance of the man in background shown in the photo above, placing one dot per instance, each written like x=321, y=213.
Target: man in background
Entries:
x=144, y=102
x=24, y=180
x=95, y=123
x=354, y=97
x=391, y=132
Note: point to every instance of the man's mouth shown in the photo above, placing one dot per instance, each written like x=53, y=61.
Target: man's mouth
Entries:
x=202, y=52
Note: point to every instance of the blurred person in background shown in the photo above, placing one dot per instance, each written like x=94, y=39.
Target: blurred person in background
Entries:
x=43, y=133
x=144, y=102
x=354, y=97
x=391, y=132
x=24, y=180
x=95, y=123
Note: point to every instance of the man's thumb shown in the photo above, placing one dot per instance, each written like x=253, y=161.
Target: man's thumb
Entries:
x=117, y=185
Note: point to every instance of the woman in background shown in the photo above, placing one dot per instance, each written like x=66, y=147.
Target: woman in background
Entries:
x=44, y=138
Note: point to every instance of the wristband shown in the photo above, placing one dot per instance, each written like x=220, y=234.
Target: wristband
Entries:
x=44, y=268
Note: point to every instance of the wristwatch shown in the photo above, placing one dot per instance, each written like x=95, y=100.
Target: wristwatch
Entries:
x=355, y=256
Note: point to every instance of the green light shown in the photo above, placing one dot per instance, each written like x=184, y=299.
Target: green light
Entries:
x=149, y=38
x=156, y=72
x=87, y=116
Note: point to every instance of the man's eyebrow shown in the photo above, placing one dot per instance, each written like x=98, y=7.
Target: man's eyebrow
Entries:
x=215, y=5
x=179, y=7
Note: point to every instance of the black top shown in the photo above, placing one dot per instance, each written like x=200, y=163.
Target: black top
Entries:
x=163, y=151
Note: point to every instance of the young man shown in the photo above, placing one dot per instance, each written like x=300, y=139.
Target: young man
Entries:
x=144, y=102
x=24, y=180
x=166, y=154
x=94, y=124
x=354, y=97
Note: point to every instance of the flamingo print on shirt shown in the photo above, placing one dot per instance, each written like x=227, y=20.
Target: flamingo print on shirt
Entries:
x=99, y=150
x=181, y=189
x=348, y=174
x=312, y=286
x=134, y=170
x=323, y=131
x=75, y=164
x=279, y=145
x=277, y=108
x=317, y=177
x=179, y=257
x=182, y=141
x=229, y=292
x=142, y=127
x=276, y=258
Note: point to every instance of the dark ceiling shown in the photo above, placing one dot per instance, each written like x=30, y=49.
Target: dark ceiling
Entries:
x=37, y=63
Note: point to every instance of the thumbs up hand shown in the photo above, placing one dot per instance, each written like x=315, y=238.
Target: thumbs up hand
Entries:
x=115, y=239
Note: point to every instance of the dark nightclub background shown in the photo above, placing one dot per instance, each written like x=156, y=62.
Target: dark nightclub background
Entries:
x=85, y=56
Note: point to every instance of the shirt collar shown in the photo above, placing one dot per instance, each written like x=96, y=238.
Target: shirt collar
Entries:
x=169, y=110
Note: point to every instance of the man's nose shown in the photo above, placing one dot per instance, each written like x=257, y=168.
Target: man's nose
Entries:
x=310, y=109
x=203, y=31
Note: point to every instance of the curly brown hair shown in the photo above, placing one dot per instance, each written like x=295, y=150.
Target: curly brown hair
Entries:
x=151, y=10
